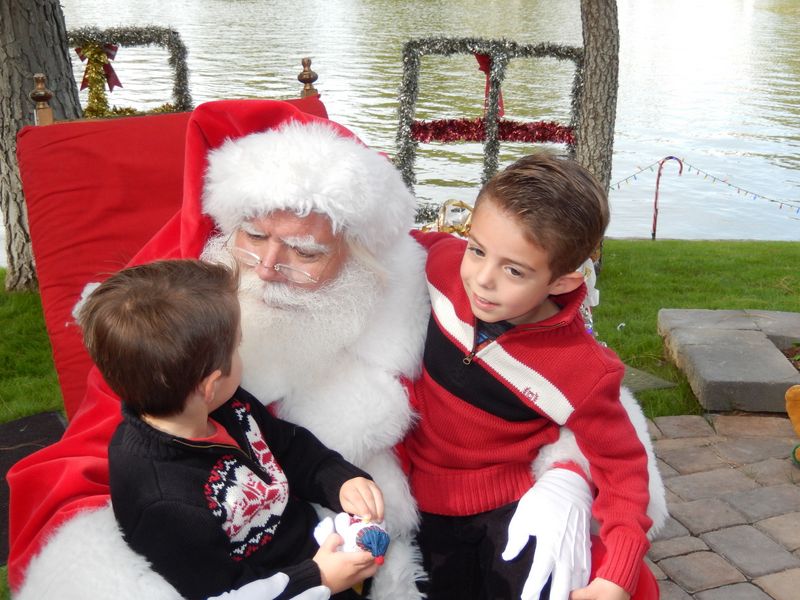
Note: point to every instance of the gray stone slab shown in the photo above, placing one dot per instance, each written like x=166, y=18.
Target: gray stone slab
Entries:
x=680, y=318
x=773, y=471
x=677, y=546
x=737, y=370
x=750, y=550
x=752, y=426
x=670, y=591
x=781, y=586
x=711, y=484
x=700, y=571
x=746, y=396
x=701, y=516
x=693, y=460
x=671, y=529
x=681, y=339
x=784, y=529
x=687, y=442
x=665, y=469
x=730, y=357
x=637, y=380
x=737, y=591
x=783, y=328
x=684, y=426
x=655, y=569
x=741, y=451
x=764, y=502
x=653, y=430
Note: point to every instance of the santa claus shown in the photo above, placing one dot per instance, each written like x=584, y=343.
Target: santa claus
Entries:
x=334, y=314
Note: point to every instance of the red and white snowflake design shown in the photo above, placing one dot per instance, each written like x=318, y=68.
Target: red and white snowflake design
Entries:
x=250, y=506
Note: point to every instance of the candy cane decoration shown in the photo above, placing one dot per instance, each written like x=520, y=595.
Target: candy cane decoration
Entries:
x=658, y=181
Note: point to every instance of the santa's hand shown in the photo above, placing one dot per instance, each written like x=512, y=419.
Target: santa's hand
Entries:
x=271, y=587
x=557, y=510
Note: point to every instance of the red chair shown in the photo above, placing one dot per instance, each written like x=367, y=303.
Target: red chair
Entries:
x=96, y=191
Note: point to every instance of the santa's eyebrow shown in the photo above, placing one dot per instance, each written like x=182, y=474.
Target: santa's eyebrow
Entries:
x=306, y=243
x=250, y=229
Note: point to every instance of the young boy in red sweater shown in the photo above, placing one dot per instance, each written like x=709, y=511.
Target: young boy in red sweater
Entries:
x=507, y=363
x=206, y=484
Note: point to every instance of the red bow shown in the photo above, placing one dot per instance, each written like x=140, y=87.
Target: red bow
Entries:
x=111, y=77
x=485, y=64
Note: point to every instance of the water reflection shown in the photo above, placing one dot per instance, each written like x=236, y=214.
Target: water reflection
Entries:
x=713, y=82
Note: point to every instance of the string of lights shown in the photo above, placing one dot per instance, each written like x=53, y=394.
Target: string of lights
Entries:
x=653, y=167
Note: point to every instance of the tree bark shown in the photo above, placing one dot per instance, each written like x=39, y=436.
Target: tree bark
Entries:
x=33, y=39
x=597, y=111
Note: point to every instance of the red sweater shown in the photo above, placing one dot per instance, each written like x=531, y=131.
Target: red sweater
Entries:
x=483, y=423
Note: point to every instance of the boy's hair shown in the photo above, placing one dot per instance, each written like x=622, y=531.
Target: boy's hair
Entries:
x=559, y=204
x=155, y=331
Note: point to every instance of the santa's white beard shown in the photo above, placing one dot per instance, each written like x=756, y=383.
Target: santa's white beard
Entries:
x=291, y=336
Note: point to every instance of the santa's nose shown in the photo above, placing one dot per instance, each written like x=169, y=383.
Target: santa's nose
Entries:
x=268, y=272
x=265, y=269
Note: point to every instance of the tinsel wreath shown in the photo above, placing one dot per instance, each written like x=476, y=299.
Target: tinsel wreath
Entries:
x=93, y=41
x=500, y=52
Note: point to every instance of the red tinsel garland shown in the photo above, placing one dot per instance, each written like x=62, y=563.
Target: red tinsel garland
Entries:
x=473, y=130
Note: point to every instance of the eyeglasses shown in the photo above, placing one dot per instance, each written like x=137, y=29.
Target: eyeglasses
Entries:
x=250, y=259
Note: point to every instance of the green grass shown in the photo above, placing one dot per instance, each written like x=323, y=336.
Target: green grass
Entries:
x=28, y=383
x=4, y=593
x=639, y=277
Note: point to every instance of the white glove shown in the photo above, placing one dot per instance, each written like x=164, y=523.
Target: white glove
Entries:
x=557, y=510
x=271, y=587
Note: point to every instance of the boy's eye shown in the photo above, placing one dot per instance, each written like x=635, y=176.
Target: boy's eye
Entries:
x=514, y=272
x=476, y=251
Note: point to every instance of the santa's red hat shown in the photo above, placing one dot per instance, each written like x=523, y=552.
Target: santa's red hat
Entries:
x=247, y=158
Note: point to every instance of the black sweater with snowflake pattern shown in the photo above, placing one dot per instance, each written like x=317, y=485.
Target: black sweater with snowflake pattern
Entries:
x=212, y=517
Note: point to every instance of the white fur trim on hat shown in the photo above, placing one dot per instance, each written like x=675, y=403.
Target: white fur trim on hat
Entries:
x=307, y=168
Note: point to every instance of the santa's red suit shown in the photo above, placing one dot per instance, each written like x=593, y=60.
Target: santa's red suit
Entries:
x=339, y=377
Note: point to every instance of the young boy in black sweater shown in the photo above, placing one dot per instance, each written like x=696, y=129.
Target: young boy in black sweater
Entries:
x=205, y=483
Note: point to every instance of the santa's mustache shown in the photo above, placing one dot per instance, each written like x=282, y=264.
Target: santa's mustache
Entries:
x=276, y=294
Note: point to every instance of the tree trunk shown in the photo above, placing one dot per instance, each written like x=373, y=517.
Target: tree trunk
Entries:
x=33, y=39
x=598, y=103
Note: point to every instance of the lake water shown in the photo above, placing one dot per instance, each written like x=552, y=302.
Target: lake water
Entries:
x=713, y=82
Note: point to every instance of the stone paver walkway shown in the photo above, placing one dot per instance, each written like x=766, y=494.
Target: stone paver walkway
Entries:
x=734, y=498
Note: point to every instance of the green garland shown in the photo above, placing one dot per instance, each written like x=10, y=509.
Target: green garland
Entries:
x=501, y=52
x=91, y=40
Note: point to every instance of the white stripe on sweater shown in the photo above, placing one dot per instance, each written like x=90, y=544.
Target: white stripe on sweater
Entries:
x=528, y=382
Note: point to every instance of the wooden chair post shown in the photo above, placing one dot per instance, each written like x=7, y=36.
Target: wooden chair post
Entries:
x=42, y=113
x=307, y=78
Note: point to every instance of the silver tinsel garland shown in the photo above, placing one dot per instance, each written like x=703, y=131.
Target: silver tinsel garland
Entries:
x=500, y=52
x=149, y=35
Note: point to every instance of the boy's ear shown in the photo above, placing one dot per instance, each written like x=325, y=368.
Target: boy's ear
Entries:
x=208, y=386
x=567, y=283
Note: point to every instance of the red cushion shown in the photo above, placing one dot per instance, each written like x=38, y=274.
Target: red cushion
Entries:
x=96, y=191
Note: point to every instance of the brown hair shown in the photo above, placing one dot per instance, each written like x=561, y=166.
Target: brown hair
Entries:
x=155, y=331
x=559, y=204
